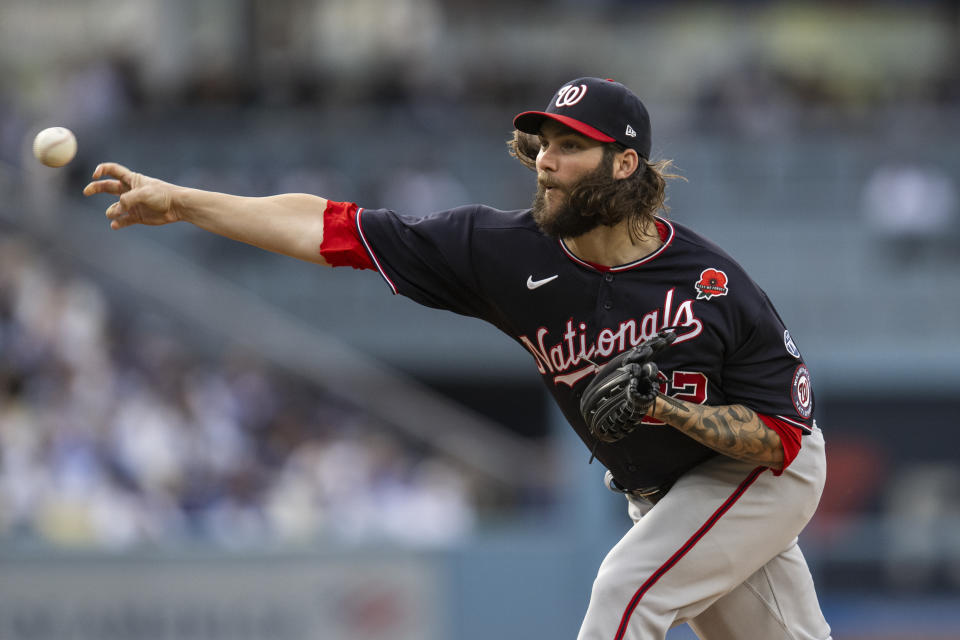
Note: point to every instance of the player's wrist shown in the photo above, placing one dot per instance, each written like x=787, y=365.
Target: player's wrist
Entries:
x=655, y=406
x=199, y=207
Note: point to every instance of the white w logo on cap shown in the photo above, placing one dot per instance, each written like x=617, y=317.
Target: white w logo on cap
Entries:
x=570, y=95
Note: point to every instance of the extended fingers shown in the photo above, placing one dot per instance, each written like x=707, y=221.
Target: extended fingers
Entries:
x=118, y=216
x=113, y=187
x=110, y=177
x=115, y=211
x=111, y=169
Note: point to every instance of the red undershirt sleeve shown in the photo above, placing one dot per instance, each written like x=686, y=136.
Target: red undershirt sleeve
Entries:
x=789, y=436
x=341, y=245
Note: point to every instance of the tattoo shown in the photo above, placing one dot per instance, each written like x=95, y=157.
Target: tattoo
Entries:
x=733, y=430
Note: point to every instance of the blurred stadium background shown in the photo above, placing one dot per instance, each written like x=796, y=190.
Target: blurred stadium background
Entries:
x=201, y=440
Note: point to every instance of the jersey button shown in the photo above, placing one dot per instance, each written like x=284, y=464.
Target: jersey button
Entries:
x=608, y=305
x=608, y=277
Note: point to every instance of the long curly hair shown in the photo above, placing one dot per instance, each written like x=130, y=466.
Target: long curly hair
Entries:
x=638, y=197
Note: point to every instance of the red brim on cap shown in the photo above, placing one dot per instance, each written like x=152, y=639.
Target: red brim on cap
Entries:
x=529, y=122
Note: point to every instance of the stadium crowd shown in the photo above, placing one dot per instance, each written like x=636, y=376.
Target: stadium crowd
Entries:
x=116, y=431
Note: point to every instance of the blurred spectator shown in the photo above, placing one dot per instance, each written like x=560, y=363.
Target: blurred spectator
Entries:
x=911, y=208
x=116, y=438
x=95, y=93
x=423, y=191
x=922, y=551
x=391, y=47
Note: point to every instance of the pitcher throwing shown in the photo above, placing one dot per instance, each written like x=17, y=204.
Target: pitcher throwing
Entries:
x=668, y=361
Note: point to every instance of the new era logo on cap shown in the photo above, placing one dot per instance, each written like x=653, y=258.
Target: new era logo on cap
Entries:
x=600, y=109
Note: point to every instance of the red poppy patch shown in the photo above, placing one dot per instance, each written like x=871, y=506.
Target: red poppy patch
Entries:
x=713, y=282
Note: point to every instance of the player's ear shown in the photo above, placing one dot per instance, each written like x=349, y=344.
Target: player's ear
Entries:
x=625, y=163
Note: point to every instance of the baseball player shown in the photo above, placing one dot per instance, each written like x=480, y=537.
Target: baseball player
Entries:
x=668, y=361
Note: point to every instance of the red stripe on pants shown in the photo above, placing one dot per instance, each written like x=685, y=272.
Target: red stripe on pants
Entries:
x=683, y=550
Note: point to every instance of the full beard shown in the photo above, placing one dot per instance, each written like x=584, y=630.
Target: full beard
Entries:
x=565, y=219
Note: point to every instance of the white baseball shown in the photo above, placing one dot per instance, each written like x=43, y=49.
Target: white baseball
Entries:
x=55, y=146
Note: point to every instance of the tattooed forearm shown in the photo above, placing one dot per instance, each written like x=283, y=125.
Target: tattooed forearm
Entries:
x=733, y=430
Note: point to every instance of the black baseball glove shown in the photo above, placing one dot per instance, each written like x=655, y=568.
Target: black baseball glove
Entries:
x=623, y=390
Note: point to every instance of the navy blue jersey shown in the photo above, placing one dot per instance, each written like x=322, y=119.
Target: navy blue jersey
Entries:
x=732, y=347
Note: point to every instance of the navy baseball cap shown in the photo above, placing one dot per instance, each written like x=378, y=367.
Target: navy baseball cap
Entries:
x=604, y=110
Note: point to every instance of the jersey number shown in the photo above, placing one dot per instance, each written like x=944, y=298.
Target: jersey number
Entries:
x=682, y=385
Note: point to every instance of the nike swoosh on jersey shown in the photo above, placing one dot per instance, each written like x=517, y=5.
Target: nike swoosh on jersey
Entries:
x=533, y=284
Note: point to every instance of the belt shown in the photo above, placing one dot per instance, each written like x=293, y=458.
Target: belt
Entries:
x=652, y=495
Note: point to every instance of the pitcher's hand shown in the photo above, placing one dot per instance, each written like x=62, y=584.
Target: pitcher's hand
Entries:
x=142, y=200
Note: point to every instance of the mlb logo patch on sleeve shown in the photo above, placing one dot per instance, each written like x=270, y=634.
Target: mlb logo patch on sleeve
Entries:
x=790, y=344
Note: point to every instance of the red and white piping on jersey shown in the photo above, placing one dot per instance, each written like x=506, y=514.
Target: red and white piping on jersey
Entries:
x=373, y=256
x=683, y=550
x=667, y=238
x=796, y=423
